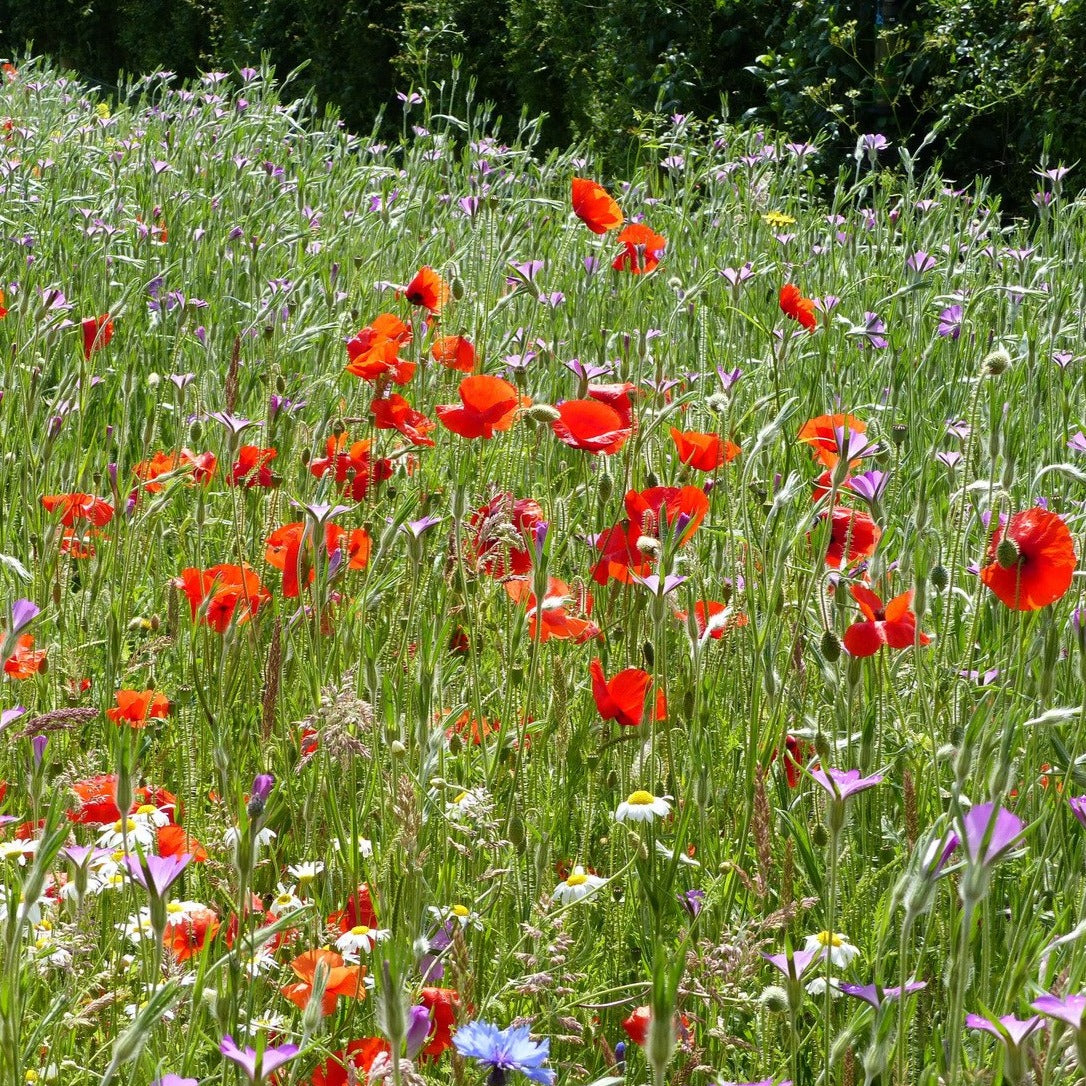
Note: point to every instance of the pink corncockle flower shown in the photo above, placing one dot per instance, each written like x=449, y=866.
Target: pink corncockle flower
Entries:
x=156, y=874
x=257, y=1067
x=1067, y=1009
x=794, y=965
x=1078, y=808
x=1009, y=1030
x=989, y=833
x=876, y=995
x=843, y=783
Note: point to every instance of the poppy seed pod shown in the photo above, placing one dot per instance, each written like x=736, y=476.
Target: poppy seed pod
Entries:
x=898, y=433
x=605, y=486
x=456, y=285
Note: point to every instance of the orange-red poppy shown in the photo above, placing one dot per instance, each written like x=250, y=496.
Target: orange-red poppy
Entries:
x=714, y=617
x=428, y=289
x=393, y=412
x=341, y=980
x=173, y=840
x=591, y=426
x=794, y=305
x=624, y=698
x=137, y=708
x=359, y=911
x=25, y=661
x=191, y=933
x=853, y=535
x=703, y=452
x=231, y=593
x=285, y=552
x=75, y=507
x=617, y=397
x=660, y=507
x=551, y=618
x=893, y=624
x=487, y=405
x=442, y=1004
x=455, y=352
x=1031, y=561
x=359, y=1056
x=595, y=206
x=251, y=467
x=97, y=332
x=373, y=353
x=497, y=528
x=643, y=249
x=3, y=311
x=820, y=434
x=619, y=554
x=353, y=467
x=202, y=464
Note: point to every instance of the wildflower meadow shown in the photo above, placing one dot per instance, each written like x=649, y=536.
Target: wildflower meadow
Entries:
x=466, y=619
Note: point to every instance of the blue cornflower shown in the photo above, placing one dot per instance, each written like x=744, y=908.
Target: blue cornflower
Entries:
x=505, y=1050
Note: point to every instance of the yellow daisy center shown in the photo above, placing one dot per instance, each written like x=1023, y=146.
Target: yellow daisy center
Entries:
x=360, y=929
x=640, y=798
x=578, y=878
x=829, y=938
x=461, y=910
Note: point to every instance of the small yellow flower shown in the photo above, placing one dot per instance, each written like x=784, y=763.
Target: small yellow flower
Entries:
x=777, y=219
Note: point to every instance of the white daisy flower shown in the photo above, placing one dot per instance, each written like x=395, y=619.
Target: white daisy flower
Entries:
x=306, y=872
x=361, y=938
x=642, y=806
x=837, y=947
x=362, y=845
x=577, y=886
x=285, y=901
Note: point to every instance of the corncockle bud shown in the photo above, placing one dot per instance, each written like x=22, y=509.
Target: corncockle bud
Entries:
x=38, y=746
x=419, y=1022
x=258, y=795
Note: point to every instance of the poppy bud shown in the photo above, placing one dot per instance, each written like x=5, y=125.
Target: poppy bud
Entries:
x=196, y=431
x=304, y=458
x=455, y=744
x=649, y=654
x=898, y=433
x=652, y=480
x=939, y=578
x=996, y=362
x=517, y=837
x=280, y=384
x=339, y=428
x=774, y=998
x=605, y=487
x=830, y=646
x=456, y=285
x=612, y=779
x=153, y=380
x=542, y=412
x=819, y=836
x=920, y=598
x=396, y=748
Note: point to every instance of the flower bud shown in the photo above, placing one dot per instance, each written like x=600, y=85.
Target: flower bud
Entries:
x=830, y=646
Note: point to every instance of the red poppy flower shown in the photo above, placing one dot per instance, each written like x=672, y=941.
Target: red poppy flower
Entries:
x=488, y=404
x=442, y=1004
x=853, y=535
x=393, y=412
x=231, y=593
x=285, y=552
x=703, y=452
x=591, y=426
x=796, y=754
x=3, y=311
x=643, y=249
x=137, y=708
x=552, y=619
x=893, y=625
x=352, y=466
x=97, y=332
x=794, y=305
x=359, y=1056
x=619, y=555
x=455, y=352
x=714, y=617
x=656, y=509
x=251, y=467
x=495, y=529
x=428, y=289
x=1032, y=561
x=374, y=352
x=25, y=661
x=617, y=397
x=341, y=980
x=637, y=1025
x=202, y=464
x=191, y=932
x=623, y=698
x=359, y=911
x=820, y=434
x=175, y=841
x=595, y=206
x=75, y=507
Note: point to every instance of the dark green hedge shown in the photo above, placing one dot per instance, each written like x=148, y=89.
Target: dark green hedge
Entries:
x=998, y=79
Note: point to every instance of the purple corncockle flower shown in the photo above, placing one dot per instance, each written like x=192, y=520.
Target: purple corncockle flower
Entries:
x=876, y=996
x=736, y=277
x=23, y=613
x=665, y=384
x=539, y=539
x=79, y=854
x=659, y=586
x=871, y=331
x=526, y=269
x=950, y=322
x=826, y=303
x=156, y=874
x=728, y=377
x=235, y=424
x=263, y=783
x=843, y=783
x=175, y=1080
x=505, y=1050
x=37, y=745
x=1067, y=1009
x=469, y=205
x=981, y=678
x=181, y=380
x=257, y=1067
x=1009, y=1030
x=9, y=716
x=852, y=444
x=419, y=1021
x=1057, y=173
x=1078, y=808
x=591, y=265
x=322, y=512
x=589, y=372
x=553, y=299
x=1077, y=442
x=874, y=141
x=1063, y=358
x=418, y=527
x=989, y=833
x=277, y=404
x=951, y=459
x=871, y=485
x=692, y=901
x=795, y=965
x=920, y=262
